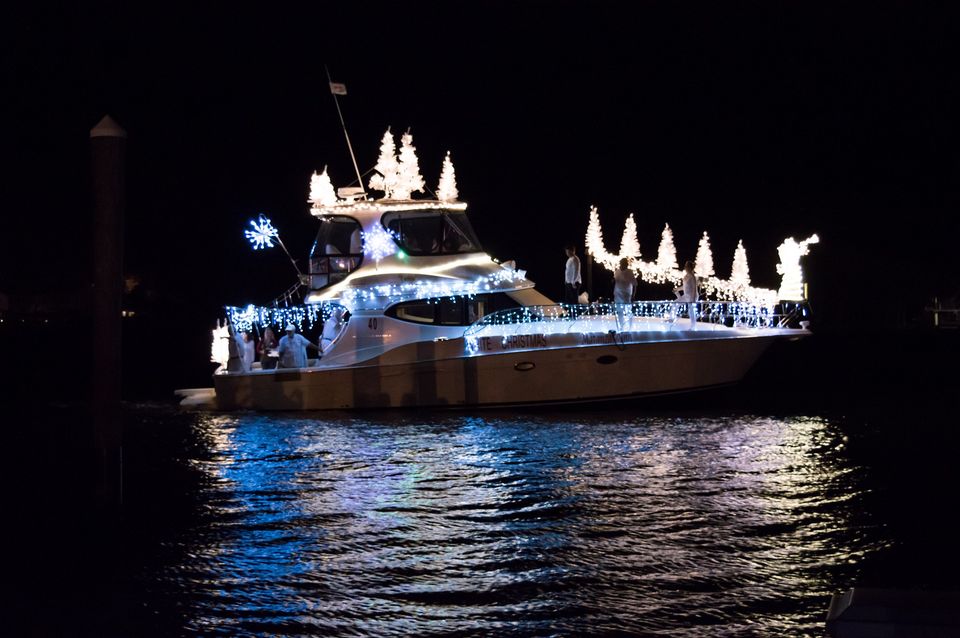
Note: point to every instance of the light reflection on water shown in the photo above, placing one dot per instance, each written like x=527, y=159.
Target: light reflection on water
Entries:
x=583, y=523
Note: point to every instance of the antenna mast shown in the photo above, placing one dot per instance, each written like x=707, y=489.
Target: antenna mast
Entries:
x=343, y=124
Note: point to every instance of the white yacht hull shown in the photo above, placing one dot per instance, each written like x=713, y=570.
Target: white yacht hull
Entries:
x=438, y=374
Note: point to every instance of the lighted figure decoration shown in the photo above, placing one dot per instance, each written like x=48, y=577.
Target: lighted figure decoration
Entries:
x=220, y=348
x=385, y=178
x=263, y=233
x=740, y=273
x=629, y=244
x=321, y=190
x=409, y=179
x=378, y=243
x=704, y=264
x=790, y=251
x=447, y=189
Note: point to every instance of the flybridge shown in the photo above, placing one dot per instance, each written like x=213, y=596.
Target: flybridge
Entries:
x=396, y=175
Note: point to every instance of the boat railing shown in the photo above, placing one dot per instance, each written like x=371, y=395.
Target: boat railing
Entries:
x=568, y=317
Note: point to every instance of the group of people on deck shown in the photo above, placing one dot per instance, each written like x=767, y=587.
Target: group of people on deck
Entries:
x=625, y=285
x=290, y=351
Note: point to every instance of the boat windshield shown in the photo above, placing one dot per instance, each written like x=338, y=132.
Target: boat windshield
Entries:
x=337, y=251
x=428, y=232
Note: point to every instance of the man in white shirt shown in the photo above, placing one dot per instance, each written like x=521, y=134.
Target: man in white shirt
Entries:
x=293, y=349
x=571, y=277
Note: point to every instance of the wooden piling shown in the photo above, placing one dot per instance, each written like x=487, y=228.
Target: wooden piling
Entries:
x=108, y=148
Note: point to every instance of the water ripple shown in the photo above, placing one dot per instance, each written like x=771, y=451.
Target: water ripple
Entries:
x=582, y=524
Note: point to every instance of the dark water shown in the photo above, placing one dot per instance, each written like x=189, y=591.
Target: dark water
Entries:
x=579, y=523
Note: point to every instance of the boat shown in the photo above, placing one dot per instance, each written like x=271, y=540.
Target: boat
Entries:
x=410, y=312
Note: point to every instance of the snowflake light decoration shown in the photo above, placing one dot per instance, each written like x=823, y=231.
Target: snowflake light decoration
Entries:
x=262, y=234
x=379, y=243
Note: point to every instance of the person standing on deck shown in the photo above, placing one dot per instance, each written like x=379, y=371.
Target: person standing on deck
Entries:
x=624, y=288
x=687, y=292
x=247, y=350
x=571, y=277
x=293, y=349
x=267, y=344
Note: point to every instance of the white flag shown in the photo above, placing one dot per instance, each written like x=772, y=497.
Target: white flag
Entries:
x=338, y=89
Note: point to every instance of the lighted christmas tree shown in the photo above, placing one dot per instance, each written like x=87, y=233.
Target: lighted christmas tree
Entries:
x=629, y=244
x=667, y=253
x=740, y=273
x=408, y=172
x=385, y=178
x=321, y=190
x=594, y=241
x=447, y=189
x=704, y=264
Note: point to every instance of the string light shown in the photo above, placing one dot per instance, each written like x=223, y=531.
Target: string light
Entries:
x=596, y=321
x=243, y=319
x=349, y=208
x=664, y=270
x=378, y=295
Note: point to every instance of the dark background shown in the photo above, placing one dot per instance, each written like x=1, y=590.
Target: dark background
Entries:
x=748, y=120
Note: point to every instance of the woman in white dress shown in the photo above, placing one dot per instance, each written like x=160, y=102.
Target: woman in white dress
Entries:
x=624, y=289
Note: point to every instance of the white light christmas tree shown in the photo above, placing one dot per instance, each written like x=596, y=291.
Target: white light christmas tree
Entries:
x=321, y=190
x=385, y=178
x=667, y=253
x=409, y=179
x=740, y=273
x=704, y=264
x=594, y=242
x=629, y=244
x=790, y=251
x=447, y=189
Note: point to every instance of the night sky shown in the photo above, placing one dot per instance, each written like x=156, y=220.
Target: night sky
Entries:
x=754, y=121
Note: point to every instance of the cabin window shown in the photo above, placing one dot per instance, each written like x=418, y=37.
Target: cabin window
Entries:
x=430, y=232
x=337, y=251
x=416, y=311
x=459, y=311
